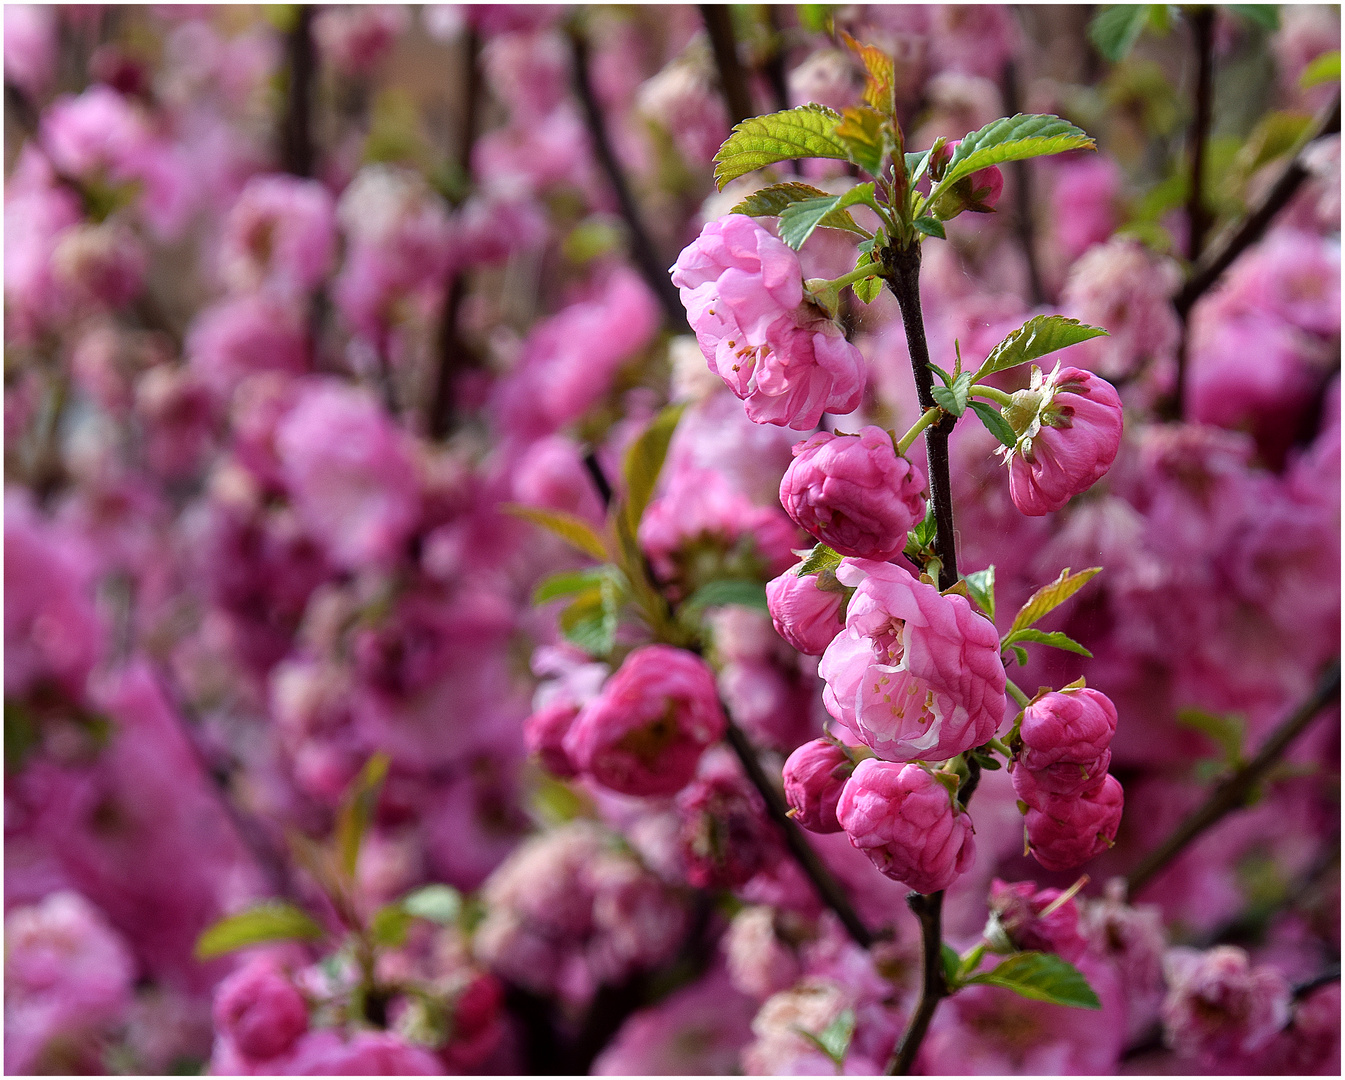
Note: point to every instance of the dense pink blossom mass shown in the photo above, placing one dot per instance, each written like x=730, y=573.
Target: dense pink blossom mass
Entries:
x=672, y=540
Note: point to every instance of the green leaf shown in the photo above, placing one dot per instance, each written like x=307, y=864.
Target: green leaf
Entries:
x=808, y=131
x=1014, y=138
x=951, y=963
x=357, y=810
x=1054, y=638
x=930, y=227
x=798, y=220
x=1326, y=68
x=815, y=18
x=1226, y=732
x=21, y=735
x=923, y=534
x=995, y=424
x=591, y=619
x=880, y=75
x=644, y=462
x=1116, y=28
x=438, y=903
x=770, y=201
x=981, y=587
x=1021, y=653
x=1034, y=339
x=1049, y=597
x=953, y=397
x=834, y=1039
x=739, y=591
x=1042, y=977
x=390, y=924
x=819, y=559
x=568, y=583
x=867, y=136
x=575, y=531
x=1266, y=16
x=867, y=289
x=273, y=920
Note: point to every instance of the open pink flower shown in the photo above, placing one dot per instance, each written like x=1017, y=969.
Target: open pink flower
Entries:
x=743, y=291
x=1069, y=429
x=906, y=822
x=854, y=493
x=915, y=674
x=1218, y=1005
x=645, y=732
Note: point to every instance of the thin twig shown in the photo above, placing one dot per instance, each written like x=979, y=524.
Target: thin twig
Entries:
x=1233, y=792
x=933, y=988
x=1198, y=219
x=296, y=130
x=1330, y=975
x=651, y=266
x=1023, y=221
x=718, y=21
x=828, y=888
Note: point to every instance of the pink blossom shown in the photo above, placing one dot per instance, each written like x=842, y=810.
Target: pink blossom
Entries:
x=367, y=1053
x=805, y=615
x=30, y=47
x=814, y=775
x=235, y=338
x=67, y=974
x=355, y=39
x=906, y=822
x=1132, y=940
x=1016, y=912
x=1310, y=1045
x=855, y=494
x=1069, y=429
x=528, y=72
x=915, y=674
x=552, y=152
x=1219, y=1006
x=759, y=963
x=281, y=233
x=977, y=39
x=544, y=734
x=259, y=1011
x=98, y=134
x=180, y=415
x=1084, y=197
x=684, y=99
x=100, y=264
x=645, y=733
x=1065, y=738
x=1064, y=831
x=350, y=472
x=766, y=701
x=37, y=214
x=552, y=474
x=828, y=77
x=978, y=192
x=743, y=291
x=725, y=836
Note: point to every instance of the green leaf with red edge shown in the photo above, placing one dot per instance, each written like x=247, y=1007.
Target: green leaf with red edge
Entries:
x=758, y=141
x=868, y=137
x=880, y=75
x=1049, y=597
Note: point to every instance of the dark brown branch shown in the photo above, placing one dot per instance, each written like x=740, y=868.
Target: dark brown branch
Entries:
x=903, y=279
x=774, y=64
x=296, y=130
x=1023, y=221
x=732, y=78
x=933, y=989
x=1198, y=218
x=1330, y=975
x=1233, y=792
x=828, y=888
x=651, y=266
x=1234, y=241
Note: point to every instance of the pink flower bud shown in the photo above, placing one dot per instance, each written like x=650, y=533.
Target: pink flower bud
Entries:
x=1065, y=831
x=544, y=733
x=915, y=674
x=1015, y=912
x=854, y=493
x=725, y=836
x=644, y=734
x=806, y=615
x=259, y=1010
x=814, y=775
x=1065, y=738
x=743, y=291
x=1218, y=1005
x=904, y=820
x=1069, y=429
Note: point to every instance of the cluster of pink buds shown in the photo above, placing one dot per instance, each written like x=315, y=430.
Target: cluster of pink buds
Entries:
x=1072, y=804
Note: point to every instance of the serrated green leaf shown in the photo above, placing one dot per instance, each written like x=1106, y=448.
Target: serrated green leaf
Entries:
x=1054, y=638
x=1049, y=597
x=1116, y=28
x=834, y=1039
x=930, y=227
x=770, y=201
x=981, y=587
x=798, y=220
x=868, y=137
x=567, y=584
x=740, y=591
x=1014, y=138
x=1324, y=69
x=951, y=963
x=819, y=559
x=1021, y=654
x=880, y=74
x=357, y=810
x=953, y=397
x=644, y=462
x=1042, y=977
x=438, y=903
x=575, y=531
x=867, y=289
x=994, y=423
x=923, y=534
x=808, y=131
x=273, y=920
x=1266, y=16
x=1227, y=732
x=1034, y=339
x=389, y=925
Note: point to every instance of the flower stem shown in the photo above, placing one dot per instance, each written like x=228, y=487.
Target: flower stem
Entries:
x=1017, y=694
x=926, y=418
x=859, y=273
x=991, y=393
